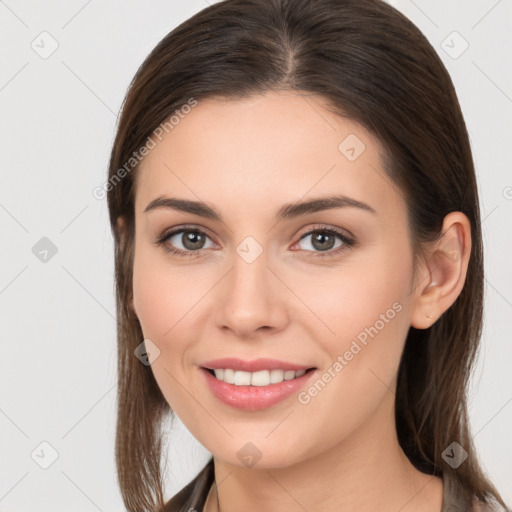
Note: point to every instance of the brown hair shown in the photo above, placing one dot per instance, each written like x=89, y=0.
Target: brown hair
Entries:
x=374, y=66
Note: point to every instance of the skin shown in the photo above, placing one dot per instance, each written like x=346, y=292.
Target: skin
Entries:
x=246, y=158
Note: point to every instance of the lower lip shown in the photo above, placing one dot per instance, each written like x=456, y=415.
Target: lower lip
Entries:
x=254, y=398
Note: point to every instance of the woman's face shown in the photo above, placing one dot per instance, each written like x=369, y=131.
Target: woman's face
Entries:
x=263, y=282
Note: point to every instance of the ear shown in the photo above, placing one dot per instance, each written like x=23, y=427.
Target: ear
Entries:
x=442, y=273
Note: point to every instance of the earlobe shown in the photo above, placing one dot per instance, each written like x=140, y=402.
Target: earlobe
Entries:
x=443, y=273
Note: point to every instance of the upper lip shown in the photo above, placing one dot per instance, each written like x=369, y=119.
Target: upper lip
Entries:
x=252, y=366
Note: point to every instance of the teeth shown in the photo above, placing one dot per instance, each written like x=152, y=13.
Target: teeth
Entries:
x=261, y=378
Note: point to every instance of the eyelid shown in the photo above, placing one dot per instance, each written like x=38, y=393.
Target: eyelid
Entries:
x=186, y=227
x=326, y=227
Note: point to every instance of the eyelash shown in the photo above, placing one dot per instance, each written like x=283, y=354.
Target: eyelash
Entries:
x=348, y=242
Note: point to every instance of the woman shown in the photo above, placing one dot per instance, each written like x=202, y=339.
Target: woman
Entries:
x=298, y=264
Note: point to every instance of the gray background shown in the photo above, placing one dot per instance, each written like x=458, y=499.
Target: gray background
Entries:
x=57, y=121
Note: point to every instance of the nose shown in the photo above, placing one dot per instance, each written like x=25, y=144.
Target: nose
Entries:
x=252, y=300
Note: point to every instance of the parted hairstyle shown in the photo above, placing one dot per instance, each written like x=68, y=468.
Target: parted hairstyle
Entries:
x=374, y=66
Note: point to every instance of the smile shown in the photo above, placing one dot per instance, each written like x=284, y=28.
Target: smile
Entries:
x=254, y=385
x=260, y=378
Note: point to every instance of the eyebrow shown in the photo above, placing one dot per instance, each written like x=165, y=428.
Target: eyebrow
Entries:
x=288, y=211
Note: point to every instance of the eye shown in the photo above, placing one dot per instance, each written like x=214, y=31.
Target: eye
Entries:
x=184, y=242
x=326, y=240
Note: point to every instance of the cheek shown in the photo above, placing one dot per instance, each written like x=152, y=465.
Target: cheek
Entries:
x=161, y=293
x=373, y=291
x=170, y=301
x=367, y=311
x=151, y=300
x=157, y=299
x=163, y=307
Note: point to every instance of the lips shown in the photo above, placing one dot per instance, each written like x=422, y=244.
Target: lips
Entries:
x=253, y=398
x=256, y=365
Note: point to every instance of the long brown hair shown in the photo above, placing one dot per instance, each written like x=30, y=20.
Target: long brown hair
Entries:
x=374, y=66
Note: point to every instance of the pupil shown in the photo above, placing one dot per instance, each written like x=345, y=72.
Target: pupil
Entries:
x=192, y=240
x=323, y=238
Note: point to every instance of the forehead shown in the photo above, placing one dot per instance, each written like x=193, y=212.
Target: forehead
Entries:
x=271, y=148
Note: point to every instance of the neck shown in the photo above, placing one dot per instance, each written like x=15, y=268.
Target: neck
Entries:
x=367, y=471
